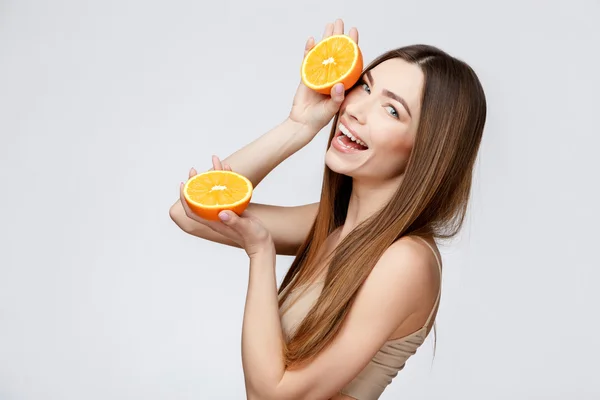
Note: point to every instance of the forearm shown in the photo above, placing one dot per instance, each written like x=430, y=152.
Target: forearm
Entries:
x=255, y=161
x=262, y=336
x=258, y=158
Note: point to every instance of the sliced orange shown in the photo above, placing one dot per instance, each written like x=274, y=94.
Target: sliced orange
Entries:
x=209, y=193
x=335, y=59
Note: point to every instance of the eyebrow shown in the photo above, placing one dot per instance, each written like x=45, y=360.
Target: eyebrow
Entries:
x=390, y=94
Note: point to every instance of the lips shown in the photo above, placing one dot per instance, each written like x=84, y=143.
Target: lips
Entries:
x=346, y=130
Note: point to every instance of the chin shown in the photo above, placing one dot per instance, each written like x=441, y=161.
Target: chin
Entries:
x=337, y=164
x=361, y=169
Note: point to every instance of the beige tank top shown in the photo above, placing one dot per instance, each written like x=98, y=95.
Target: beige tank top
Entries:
x=388, y=361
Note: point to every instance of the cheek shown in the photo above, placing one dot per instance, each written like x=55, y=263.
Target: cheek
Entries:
x=395, y=147
x=405, y=146
x=393, y=142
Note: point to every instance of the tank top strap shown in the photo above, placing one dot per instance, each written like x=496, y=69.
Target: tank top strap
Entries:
x=439, y=264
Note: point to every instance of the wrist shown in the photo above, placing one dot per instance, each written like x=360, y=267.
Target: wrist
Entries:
x=301, y=132
x=263, y=253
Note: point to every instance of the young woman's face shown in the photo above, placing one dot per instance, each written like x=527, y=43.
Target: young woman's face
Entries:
x=381, y=114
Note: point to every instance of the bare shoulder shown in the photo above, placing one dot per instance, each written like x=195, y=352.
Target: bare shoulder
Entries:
x=411, y=255
x=413, y=264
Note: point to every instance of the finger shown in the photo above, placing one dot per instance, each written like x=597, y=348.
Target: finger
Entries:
x=235, y=222
x=184, y=204
x=226, y=167
x=192, y=172
x=186, y=208
x=337, y=92
x=248, y=227
x=221, y=228
x=328, y=30
x=337, y=97
x=338, y=27
x=353, y=34
x=310, y=43
x=216, y=163
x=231, y=220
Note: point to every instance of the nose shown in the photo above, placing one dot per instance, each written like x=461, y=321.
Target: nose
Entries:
x=357, y=108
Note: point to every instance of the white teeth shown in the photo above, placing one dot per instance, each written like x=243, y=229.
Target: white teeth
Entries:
x=346, y=132
x=339, y=139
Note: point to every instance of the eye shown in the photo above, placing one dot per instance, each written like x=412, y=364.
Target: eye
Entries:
x=366, y=87
x=392, y=111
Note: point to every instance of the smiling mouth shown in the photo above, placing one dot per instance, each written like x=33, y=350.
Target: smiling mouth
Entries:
x=350, y=142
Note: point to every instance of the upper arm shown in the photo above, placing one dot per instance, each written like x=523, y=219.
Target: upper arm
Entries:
x=393, y=291
x=289, y=225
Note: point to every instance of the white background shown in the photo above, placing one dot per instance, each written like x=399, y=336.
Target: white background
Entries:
x=105, y=105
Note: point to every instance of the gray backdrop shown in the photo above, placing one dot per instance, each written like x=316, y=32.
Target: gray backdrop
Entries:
x=105, y=105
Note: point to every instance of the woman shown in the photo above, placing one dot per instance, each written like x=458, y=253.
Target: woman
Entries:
x=362, y=293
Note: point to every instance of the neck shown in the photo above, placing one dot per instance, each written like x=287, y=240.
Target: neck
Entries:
x=367, y=198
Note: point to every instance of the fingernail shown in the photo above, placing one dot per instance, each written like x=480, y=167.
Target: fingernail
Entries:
x=224, y=216
x=339, y=89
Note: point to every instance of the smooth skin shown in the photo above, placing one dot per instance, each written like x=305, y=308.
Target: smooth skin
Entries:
x=398, y=294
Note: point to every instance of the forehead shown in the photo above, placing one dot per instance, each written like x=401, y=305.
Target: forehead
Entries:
x=401, y=77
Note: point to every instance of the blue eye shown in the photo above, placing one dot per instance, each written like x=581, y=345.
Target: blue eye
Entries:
x=366, y=88
x=392, y=111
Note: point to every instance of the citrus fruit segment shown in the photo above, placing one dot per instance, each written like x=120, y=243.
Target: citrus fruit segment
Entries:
x=209, y=193
x=335, y=59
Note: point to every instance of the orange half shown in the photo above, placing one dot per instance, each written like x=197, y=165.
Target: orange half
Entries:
x=335, y=59
x=209, y=193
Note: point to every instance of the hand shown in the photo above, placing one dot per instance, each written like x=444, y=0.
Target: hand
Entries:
x=245, y=230
x=313, y=109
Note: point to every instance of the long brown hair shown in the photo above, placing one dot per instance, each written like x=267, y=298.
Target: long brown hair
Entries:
x=431, y=200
